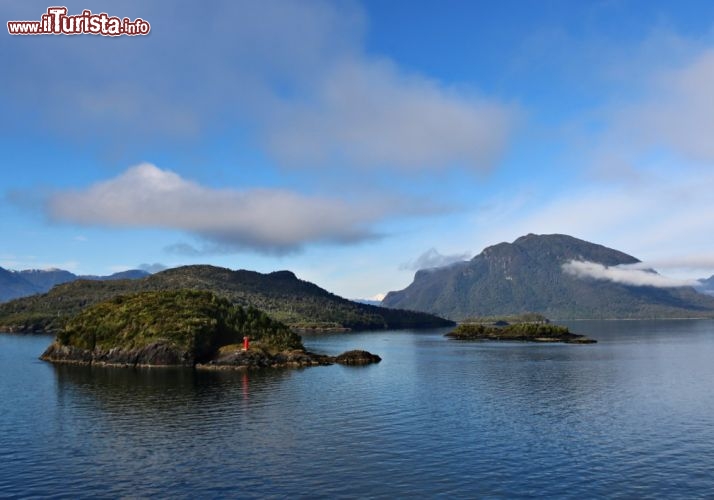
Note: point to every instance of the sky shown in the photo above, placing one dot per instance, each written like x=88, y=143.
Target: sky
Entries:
x=356, y=142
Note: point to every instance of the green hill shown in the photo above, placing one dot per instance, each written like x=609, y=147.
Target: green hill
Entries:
x=283, y=296
x=184, y=328
x=527, y=276
x=188, y=321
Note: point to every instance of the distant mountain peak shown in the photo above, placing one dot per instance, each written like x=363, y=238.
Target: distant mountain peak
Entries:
x=32, y=281
x=530, y=236
x=529, y=275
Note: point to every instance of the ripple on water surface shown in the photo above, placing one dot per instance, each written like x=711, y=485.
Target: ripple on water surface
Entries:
x=629, y=416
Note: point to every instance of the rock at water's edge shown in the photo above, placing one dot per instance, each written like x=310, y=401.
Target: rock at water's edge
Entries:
x=357, y=357
x=154, y=354
x=162, y=354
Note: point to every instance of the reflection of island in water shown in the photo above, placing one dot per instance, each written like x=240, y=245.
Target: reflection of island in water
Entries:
x=171, y=427
x=159, y=390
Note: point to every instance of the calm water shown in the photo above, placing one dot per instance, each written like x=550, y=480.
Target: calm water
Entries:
x=632, y=416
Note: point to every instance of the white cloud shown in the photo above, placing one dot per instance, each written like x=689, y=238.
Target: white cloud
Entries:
x=266, y=220
x=677, y=112
x=433, y=259
x=626, y=274
x=370, y=113
x=295, y=75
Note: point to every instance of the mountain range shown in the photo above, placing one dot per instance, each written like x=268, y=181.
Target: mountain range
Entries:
x=556, y=275
x=14, y=284
x=532, y=274
x=283, y=296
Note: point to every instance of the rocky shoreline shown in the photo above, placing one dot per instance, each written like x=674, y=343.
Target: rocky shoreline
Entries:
x=160, y=354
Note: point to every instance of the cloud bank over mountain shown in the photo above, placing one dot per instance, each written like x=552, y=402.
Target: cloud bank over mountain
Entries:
x=627, y=274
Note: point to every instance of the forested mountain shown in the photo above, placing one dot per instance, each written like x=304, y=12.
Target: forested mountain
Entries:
x=528, y=275
x=281, y=294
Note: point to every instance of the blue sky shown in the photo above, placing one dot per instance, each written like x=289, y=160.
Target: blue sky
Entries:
x=354, y=142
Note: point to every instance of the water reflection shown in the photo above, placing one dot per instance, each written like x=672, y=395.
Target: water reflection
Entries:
x=166, y=429
x=156, y=392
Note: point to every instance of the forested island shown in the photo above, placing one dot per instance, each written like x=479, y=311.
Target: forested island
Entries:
x=524, y=328
x=187, y=328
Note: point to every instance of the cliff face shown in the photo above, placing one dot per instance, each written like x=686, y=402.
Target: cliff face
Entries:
x=155, y=354
x=527, y=276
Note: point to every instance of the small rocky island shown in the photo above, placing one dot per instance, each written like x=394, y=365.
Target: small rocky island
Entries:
x=526, y=328
x=186, y=328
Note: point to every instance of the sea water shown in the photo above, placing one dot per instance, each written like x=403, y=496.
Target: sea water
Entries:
x=630, y=416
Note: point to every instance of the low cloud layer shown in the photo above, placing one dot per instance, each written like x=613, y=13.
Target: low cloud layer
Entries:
x=264, y=220
x=626, y=274
x=432, y=259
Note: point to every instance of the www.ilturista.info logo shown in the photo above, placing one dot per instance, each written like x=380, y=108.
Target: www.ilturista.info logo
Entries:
x=57, y=22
